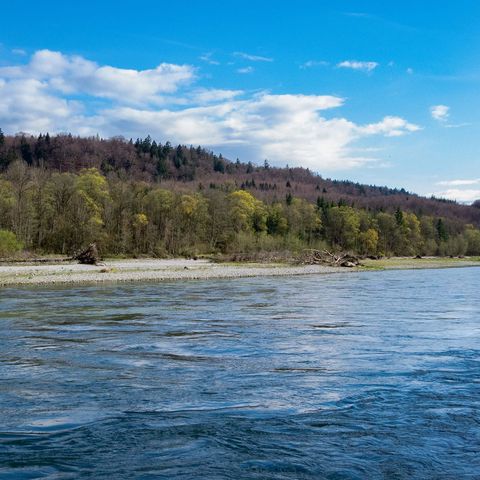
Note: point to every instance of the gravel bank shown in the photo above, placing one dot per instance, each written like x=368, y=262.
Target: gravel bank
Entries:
x=146, y=270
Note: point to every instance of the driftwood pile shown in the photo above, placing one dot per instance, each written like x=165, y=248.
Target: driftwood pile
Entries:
x=87, y=256
x=324, y=257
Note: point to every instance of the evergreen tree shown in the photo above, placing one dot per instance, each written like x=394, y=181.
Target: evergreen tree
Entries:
x=147, y=144
x=154, y=149
x=218, y=164
x=399, y=217
x=162, y=168
x=26, y=151
x=441, y=230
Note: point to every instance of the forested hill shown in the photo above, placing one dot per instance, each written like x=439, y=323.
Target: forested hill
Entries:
x=197, y=168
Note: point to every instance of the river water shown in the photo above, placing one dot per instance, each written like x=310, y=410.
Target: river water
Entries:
x=345, y=376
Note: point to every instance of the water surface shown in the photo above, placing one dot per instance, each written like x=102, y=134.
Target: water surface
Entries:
x=365, y=375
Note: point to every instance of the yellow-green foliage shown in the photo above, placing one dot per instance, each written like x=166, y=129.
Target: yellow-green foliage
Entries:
x=9, y=244
x=247, y=213
x=369, y=241
x=59, y=212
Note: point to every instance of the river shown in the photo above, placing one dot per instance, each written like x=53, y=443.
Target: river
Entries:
x=365, y=375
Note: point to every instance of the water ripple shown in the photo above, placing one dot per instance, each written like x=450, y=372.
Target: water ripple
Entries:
x=368, y=375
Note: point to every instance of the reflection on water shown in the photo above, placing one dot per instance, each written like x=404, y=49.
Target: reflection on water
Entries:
x=367, y=375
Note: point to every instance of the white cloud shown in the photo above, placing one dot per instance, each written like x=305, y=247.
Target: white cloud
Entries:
x=456, y=183
x=19, y=51
x=440, y=112
x=463, y=196
x=204, y=95
x=246, y=70
x=253, y=58
x=27, y=105
x=57, y=93
x=207, y=58
x=356, y=65
x=76, y=75
x=314, y=63
x=390, y=127
x=458, y=125
x=456, y=192
x=284, y=128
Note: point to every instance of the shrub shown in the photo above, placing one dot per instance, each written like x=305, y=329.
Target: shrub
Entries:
x=9, y=243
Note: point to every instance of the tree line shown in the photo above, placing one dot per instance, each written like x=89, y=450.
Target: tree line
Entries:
x=51, y=211
x=146, y=160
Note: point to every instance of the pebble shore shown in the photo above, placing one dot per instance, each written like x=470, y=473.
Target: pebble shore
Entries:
x=146, y=270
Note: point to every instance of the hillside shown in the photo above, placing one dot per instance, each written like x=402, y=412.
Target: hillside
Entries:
x=196, y=167
x=60, y=192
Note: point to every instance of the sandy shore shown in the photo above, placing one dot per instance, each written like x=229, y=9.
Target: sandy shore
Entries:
x=145, y=270
x=181, y=269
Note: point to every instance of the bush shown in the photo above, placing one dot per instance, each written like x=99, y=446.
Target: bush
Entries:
x=9, y=243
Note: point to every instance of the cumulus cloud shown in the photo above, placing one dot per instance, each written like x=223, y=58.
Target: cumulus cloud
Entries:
x=56, y=92
x=205, y=95
x=456, y=192
x=440, y=112
x=459, y=195
x=252, y=58
x=284, y=128
x=356, y=65
x=390, y=127
x=76, y=75
x=27, y=105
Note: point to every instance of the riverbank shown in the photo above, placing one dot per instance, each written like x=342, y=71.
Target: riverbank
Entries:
x=183, y=269
x=146, y=270
x=409, y=263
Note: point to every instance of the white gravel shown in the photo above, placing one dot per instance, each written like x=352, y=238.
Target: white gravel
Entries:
x=145, y=270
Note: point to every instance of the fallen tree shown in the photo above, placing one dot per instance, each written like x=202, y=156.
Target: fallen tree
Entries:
x=324, y=257
x=87, y=256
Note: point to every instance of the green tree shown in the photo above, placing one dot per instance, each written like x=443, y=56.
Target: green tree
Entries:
x=26, y=150
x=303, y=220
x=7, y=202
x=442, y=233
x=277, y=223
x=159, y=205
x=368, y=241
x=472, y=236
x=386, y=225
x=399, y=217
x=9, y=244
x=191, y=223
x=91, y=196
x=20, y=178
x=247, y=213
x=139, y=227
x=342, y=227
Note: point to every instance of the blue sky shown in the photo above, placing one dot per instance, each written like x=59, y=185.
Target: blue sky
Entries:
x=377, y=92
